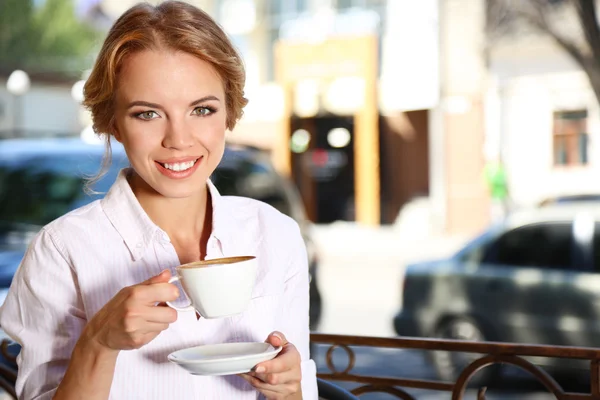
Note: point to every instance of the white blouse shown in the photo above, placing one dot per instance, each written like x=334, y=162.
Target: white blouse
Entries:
x=78, y=262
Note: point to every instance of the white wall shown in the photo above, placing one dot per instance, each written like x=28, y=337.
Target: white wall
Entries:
x=44, y=108
x=528, y=104
x=533, y=78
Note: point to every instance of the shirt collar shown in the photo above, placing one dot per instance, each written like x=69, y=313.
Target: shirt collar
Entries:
x=135, y=226
x=223, y=220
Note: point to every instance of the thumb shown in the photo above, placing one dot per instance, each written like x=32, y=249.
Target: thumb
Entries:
x=163, y=277
x=277, y=339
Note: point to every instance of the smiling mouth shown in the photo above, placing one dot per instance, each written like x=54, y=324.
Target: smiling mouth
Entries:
x=179, y=167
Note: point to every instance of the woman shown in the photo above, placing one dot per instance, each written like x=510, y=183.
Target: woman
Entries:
x=83, y=304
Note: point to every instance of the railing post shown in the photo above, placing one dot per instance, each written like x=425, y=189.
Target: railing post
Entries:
x=481, y=393
x=595, y=378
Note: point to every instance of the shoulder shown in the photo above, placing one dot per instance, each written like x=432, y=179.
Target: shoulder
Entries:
x=89, y=213
x=276, y=233
x=76, y=225
x=52, y=246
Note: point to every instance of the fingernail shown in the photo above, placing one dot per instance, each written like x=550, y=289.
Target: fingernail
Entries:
x=260, y=370
x=277, y=335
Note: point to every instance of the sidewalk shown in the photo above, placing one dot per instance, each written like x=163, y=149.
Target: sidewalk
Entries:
x=350, y=239
x=361, y=271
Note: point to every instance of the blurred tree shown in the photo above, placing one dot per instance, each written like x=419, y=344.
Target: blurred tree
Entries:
x=15, y=30
x=45, y=38
x=581, y=40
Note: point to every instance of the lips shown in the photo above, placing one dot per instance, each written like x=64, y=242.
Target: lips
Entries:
x=178, y=168
x=179, y=163
x=174, y=160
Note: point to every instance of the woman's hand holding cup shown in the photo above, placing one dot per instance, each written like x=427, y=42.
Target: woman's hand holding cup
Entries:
x=131, y=319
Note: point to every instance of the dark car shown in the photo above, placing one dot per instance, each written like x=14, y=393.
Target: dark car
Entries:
x=42, y=179
x=569, y=199
x=534, y=278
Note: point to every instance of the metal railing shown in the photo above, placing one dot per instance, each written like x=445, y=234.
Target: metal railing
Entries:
x=491, y=353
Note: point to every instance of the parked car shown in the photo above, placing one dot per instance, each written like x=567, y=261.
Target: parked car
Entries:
x=569, y=198
x=535, y=278
x=42, y=179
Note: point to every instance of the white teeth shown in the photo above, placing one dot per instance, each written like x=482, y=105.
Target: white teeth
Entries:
x=180, y=166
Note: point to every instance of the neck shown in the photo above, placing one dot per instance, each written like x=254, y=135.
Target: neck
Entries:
x=185, y=220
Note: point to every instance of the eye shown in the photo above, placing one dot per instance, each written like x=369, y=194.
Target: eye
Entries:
x=147, y=115
x=203, y=111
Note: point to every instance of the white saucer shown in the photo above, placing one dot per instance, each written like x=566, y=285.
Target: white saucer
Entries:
x=223, y=359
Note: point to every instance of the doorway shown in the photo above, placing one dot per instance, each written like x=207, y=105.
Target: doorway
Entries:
x=323, y=166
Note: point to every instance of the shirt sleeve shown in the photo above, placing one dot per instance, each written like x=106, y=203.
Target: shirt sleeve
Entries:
x=296, y=311
x=44, y=313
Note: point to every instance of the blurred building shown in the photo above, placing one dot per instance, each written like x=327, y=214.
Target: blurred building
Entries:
x=414, y=108
x=45, y=108
x=543, y=115
x=365, y=104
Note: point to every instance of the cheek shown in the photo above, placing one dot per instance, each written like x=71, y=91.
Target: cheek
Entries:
x=214, y=135
x=139, y=140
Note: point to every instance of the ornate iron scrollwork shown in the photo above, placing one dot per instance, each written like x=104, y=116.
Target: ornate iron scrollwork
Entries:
x=494, y=353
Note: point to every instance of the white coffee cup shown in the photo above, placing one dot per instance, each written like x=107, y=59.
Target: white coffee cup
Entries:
x=219, y=287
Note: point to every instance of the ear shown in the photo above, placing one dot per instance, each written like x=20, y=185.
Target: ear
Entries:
x=116, y=134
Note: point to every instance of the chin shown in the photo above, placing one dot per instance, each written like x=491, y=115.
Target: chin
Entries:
x=172, y=193
x=179, y=190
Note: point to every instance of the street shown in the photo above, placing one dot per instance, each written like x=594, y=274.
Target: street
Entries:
x=360, y=277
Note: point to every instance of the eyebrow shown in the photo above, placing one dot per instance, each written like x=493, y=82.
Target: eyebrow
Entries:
x=154, y=105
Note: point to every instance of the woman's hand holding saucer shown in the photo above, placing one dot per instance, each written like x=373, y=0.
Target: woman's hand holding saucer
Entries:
x=280, y=377
x=131, y=318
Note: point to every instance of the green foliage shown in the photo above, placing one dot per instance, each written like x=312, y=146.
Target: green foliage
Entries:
x=48, y=38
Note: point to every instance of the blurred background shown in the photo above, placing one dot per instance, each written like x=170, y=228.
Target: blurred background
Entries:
x=439, y=155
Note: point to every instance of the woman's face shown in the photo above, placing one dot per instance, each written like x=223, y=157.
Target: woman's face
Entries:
x=170, y=116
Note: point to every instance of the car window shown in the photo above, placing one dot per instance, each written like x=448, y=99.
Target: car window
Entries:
x=248, y=178
x=38, y=189
x=544, y=245
x=596, y=248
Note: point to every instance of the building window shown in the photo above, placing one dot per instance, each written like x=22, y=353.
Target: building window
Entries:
x=570, y=138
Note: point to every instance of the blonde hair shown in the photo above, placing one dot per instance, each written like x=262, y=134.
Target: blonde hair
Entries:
x=172, y=25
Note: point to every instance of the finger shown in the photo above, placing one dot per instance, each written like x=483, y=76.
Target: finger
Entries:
x=282, y=378
x=268, y=390
x=164, y=276
x=276, y=339
x=287, y=359
x=156, y=293
x=165, y=315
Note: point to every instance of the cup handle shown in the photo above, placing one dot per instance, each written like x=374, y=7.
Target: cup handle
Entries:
x=186, y=308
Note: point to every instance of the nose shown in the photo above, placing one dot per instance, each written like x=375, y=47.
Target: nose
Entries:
x=178, y=136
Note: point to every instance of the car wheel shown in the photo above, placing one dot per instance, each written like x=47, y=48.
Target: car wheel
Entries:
x=449, y=365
